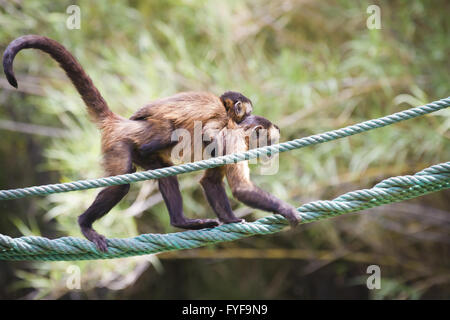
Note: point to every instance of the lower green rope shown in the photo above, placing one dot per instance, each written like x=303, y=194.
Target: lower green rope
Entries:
x=391, y=190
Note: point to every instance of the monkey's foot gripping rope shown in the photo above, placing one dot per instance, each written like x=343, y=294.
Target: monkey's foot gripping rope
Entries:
x=391, y=190
x=68, y=248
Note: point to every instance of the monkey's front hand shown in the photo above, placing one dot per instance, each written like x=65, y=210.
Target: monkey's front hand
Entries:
x=291, y=214
x=99, y=240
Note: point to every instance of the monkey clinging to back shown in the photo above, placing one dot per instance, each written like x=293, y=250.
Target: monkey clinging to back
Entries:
x=145, y=140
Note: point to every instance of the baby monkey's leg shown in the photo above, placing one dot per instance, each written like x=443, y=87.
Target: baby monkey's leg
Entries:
x=155, y=145
x=160, y=137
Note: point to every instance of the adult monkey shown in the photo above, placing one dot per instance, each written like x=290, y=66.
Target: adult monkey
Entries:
x=145, y=140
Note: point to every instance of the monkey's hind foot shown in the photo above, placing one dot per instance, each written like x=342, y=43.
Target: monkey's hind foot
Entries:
x=99, y=240
x=195, y=224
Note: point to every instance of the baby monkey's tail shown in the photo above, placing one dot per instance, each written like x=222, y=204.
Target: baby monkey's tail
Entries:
x=97, y=106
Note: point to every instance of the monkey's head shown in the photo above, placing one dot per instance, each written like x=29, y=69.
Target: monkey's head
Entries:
x=237, y=105
x=259, y=131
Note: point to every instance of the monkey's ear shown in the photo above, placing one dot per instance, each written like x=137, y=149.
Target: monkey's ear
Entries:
x=227, y=102
x=239, y=110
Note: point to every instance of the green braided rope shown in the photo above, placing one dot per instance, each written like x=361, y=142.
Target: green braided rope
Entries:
x=391, y=190
x=227, y=159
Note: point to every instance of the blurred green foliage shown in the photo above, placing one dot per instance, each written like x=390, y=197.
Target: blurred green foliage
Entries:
x=309, y=66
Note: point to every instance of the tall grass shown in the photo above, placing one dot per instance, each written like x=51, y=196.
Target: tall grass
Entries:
x=309, y=67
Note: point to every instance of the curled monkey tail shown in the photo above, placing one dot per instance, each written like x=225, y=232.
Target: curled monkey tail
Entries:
x=97, y=106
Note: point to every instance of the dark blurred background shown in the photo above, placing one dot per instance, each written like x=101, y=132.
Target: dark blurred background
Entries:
x=308, y=66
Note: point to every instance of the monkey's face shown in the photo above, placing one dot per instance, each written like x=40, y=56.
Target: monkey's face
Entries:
x=237, y=105
x=259, y=132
